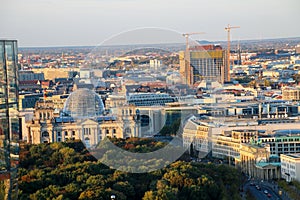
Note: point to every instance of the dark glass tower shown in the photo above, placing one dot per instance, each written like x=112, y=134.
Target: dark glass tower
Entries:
x=9, y=119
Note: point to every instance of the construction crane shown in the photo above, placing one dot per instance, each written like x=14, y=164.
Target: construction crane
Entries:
x=188, y=72
x=228, y=28
x=187, y=35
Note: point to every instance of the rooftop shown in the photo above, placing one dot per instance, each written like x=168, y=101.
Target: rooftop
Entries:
x=295, y=155
x=264, y=164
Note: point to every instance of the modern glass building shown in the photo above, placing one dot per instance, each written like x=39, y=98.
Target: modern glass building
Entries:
x=9, y=119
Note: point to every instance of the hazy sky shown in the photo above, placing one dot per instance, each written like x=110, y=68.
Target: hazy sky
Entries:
x=89, y=22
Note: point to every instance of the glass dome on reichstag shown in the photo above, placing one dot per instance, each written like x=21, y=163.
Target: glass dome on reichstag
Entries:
x=83, y=103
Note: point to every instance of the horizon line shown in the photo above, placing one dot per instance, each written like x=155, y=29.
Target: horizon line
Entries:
x=114, y=45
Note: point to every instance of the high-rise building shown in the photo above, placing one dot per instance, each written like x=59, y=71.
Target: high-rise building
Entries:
x=297, y=48
x=204, y=63
x=9, y=120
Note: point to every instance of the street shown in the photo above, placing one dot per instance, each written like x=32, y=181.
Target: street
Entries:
x=259, y=194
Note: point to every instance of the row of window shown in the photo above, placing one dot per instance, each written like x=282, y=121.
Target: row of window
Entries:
x=287, y=145
x=126, y=112
x=281, y=140
x=72, y=138
x=45, y=115
x=290, y=140
x=86, y=131
x=113, y=131
x=66, y=133
x=287, y=149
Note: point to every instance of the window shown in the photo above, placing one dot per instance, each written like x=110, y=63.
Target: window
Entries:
x=58, y=134
x=45, y=134
x=66, y=133
x=107, y=131
x=114, y=131
x=73, y=133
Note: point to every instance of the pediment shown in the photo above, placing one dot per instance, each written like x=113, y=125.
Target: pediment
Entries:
x=88, y=122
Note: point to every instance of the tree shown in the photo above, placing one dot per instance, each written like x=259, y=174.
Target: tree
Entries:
x=76, y=176
x=126, y=188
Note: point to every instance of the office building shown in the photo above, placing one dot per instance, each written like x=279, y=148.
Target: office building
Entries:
x=297, y=49
x=283, y=141
x=290, y=167
x=9, y=120
x=291, y=94
x=228, y=143
x=150, y=99
x=155, y=64
x=26, y=75
x=204, y=63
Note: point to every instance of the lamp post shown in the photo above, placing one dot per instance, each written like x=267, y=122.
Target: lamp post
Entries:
x=113, y=197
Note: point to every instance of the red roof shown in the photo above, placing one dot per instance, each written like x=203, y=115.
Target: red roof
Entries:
x=45, y=83
x=30, y=82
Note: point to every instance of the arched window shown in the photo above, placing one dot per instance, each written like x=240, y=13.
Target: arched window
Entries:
x=87, y=142
x=45, y=134
x=128, y=130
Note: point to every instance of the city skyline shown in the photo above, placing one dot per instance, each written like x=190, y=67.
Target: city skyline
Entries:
x=88, y=23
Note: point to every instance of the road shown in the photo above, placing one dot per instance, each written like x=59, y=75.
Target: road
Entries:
x=259, y=194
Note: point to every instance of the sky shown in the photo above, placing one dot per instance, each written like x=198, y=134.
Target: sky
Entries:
x=90, y=22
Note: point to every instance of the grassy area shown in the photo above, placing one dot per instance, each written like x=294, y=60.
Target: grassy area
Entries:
x=288, y=187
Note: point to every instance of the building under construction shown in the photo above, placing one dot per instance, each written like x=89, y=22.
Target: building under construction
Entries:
x=206, y=62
